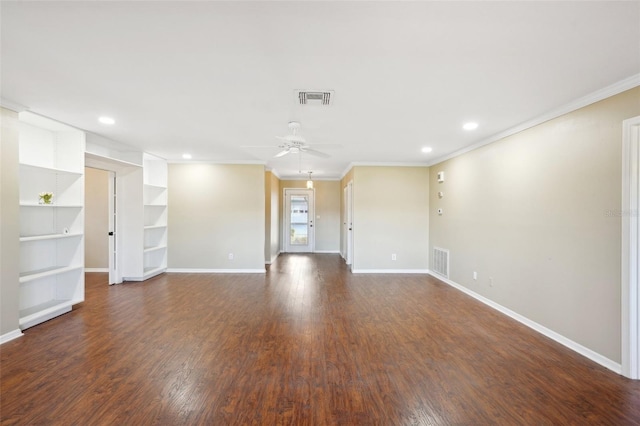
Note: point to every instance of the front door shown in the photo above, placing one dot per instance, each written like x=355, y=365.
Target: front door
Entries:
x=299, y=213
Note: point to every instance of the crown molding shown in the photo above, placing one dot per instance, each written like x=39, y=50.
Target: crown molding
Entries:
x=13, y=106
x=220, y=162
x=591, y=98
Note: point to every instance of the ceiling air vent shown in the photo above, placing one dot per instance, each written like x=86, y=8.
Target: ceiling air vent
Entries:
x=315, y=97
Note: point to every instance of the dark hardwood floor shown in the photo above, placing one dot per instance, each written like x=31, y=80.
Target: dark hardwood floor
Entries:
x=306, y=344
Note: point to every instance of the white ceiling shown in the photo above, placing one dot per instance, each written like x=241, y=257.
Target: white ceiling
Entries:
x=211, y=77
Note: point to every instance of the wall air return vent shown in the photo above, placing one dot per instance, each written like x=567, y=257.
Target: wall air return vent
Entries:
x=441, y=262
x=314, y=97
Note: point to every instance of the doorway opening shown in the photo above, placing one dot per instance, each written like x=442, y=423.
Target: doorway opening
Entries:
x=299, y=212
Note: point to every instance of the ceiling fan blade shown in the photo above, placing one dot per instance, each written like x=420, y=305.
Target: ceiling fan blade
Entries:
x=314, y=152
x=282, y=153
x=291, y=138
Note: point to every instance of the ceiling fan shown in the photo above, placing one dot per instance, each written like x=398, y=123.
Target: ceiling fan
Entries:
x=295, y=143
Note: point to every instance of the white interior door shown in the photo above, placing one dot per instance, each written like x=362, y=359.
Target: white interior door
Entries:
x=299, y=232
x=113, y=258
x=349, y=206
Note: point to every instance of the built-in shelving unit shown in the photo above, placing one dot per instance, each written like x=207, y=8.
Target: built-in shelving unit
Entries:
x=51, y=159
x=155, y=215
x=150, y=258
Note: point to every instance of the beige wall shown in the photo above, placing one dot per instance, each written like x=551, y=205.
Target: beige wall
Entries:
x=9, y=222
x=390, y=215
x=327, y=206
x=271, y=220
x=96, y=208
x=529, y=212
x=215, y=210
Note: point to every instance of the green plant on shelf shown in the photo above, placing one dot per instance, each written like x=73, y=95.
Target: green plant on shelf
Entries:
x=45, y=198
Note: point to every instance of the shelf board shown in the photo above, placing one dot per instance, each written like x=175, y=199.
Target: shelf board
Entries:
x=155, y=226
x=73, y=206
x=152, y=271
x=44, y=311
x=99, y=161
x=41, y=273
x=51, y=169
x=48, y=237
x=152, y=186
x=155, y=205
x=154, y=248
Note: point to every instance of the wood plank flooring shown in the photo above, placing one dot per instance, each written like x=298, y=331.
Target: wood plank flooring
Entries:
x=306, y=344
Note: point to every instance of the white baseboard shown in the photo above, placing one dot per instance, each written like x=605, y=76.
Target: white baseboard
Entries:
x=216, y=271
x=96, y=269
x=577, y=347
x=327, y=251
x=273, y=259
x=10, y=336
x=390, y=271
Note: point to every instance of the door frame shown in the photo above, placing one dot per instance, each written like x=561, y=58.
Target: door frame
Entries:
x=286, y=220
x=630, y=214
x=113, y=221
x=349, y=222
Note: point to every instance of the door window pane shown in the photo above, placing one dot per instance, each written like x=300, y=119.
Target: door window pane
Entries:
x=299, y=232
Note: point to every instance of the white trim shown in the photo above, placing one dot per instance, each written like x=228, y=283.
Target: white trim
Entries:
x=390, y=271
x=10, y=336
x=598, y=95
x=13, y=106
x=273, y=259
x=273, y=171
x=215, y=271
x=223, y=162
x=582, y=350
x=630, y=248
x=96, y=269
x=327, y=251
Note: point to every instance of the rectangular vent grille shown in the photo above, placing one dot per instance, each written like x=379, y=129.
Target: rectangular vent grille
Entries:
x=441, y=261
x=315, y=97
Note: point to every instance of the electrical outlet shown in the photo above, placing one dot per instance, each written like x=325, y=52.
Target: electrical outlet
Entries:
x=475, y=275
x=393, y=256
x=230, y=256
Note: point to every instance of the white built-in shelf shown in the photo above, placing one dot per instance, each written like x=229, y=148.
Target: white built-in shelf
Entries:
x=97, y=160
x=44, y=311
x=156, y=205
x=36, y=168
x=150, y=249
x=46, y=272
x=157, y=187
x=51, y=158
x=48, y=237
x=72, y=206
x=155, y=227
x=153, y=271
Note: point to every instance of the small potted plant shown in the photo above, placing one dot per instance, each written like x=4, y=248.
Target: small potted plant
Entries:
x=45, y=198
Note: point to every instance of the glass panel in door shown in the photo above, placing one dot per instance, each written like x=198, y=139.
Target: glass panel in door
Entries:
x=299, y=220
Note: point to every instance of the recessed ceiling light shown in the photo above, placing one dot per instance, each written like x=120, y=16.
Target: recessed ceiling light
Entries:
x=107, y=120
x=427, y=149
x=186, y=156
x=470, y=126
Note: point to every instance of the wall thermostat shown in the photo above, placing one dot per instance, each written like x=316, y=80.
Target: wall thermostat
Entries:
x=440, y=177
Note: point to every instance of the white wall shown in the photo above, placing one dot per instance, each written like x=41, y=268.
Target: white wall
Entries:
x=215, y=210
x=530, y=212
